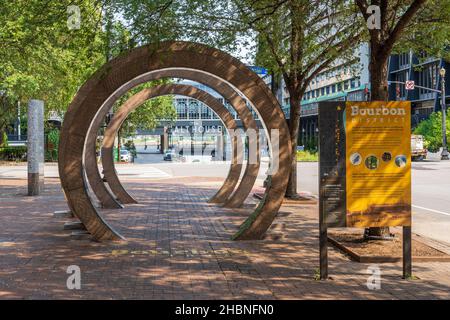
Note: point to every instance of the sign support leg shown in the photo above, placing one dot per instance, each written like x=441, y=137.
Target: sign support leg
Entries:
x=323, y=241
x=407, y=256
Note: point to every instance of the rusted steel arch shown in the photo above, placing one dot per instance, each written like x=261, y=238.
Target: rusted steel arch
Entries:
x=117, y=75
x=138, y=99
x=225, y=194
x=106, y=198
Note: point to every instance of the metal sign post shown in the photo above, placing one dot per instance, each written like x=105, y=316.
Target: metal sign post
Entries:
x=407, y=253
x=323, y=248
x=331, y=175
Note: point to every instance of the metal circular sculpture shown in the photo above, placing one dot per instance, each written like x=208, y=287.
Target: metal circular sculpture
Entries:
x=225, y=194
x=129, y=70
x=134, y=102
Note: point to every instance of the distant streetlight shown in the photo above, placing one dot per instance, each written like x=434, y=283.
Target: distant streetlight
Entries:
x=444, y=154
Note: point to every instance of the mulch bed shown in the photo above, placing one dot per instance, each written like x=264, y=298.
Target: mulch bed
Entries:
x=354, y=245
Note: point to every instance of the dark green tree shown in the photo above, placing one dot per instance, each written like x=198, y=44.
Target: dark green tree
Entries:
x=431, y=130
x=400, y=24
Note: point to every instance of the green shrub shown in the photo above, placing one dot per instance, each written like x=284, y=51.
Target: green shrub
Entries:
x=311, y=144
x=18, y=153
x=431, y=130
x=307, y=156
x=4, y=140
x=131, y=147
x=51, y=153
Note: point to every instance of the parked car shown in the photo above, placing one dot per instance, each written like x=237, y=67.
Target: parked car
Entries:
x=171, y=155
x=125, y=155
x=418, y=152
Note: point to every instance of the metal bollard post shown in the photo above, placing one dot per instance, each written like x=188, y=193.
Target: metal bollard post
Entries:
x=35, y=152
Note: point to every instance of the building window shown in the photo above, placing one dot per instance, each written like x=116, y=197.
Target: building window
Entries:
x=403, y=60
x=181, y=107
x=206, y=111
x=400, y=92
x=193, y=109
x=428, y=77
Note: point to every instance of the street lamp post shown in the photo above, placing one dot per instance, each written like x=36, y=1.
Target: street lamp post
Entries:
x=444, y=154
x=19, y=133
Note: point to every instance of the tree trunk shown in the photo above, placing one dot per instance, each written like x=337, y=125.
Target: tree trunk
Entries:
x=379, y=92
x=378, y=77
x=294, y=124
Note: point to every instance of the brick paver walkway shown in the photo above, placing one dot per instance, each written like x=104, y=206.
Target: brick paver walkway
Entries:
x=179, y=247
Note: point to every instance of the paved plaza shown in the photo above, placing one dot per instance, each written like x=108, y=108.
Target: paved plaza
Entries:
x=179, y=247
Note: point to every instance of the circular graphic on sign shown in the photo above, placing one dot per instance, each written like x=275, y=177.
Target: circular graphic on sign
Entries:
x=387, y=156
x=371, y=162
x=400, y=161
x=355, y=159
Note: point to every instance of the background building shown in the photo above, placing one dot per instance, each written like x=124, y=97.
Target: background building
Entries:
x=350, y=82
x=425, y=72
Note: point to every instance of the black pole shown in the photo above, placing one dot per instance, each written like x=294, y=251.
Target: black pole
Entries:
x=407, y=256
x=323, y=239
x=444, y=154
x=323, y=236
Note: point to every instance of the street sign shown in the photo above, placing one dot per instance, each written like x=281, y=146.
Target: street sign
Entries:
x=258, y=70
x=365, y=164
x=409, y=85
x=364, y=170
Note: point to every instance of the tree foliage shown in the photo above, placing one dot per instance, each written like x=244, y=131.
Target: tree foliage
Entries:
x=428, y=33
x=42, y=58
x=431, y=130
x=421, y=25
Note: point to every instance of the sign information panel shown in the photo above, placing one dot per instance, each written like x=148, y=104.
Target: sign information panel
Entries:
x=365, y=164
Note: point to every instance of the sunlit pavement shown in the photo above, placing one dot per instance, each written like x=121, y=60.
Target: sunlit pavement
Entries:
x=430, y=184
x=430, y=196
x=179, y=247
